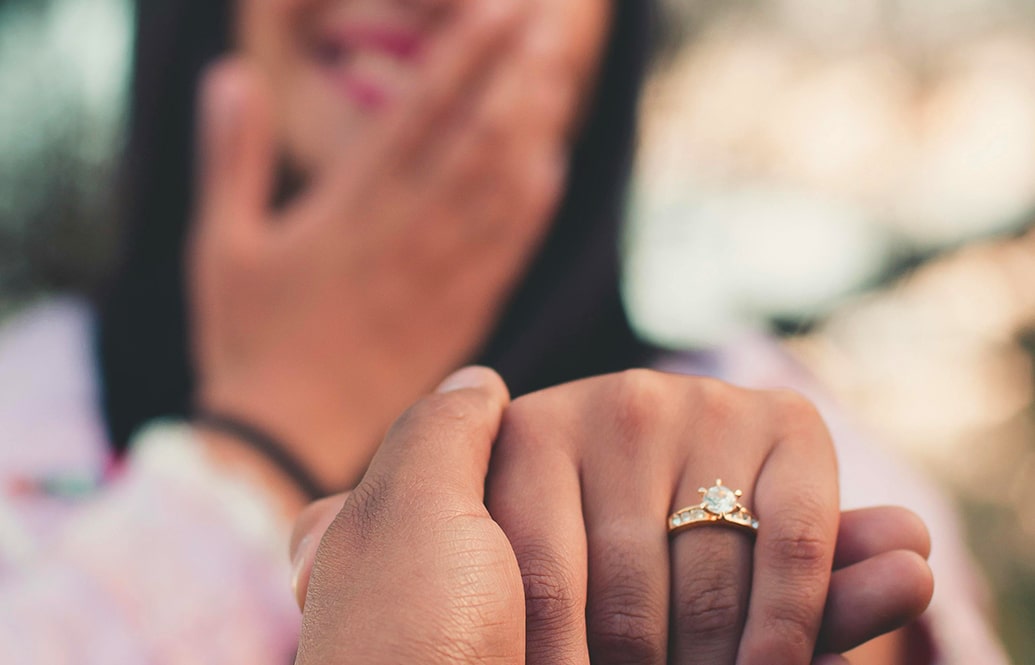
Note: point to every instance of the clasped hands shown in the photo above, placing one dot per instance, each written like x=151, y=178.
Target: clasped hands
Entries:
x=484, y=530
x=534, y=532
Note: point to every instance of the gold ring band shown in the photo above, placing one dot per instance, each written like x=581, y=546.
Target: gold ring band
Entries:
x=719, y=506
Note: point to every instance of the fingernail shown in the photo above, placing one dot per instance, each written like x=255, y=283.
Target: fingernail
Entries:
x=298, y=566
x=468, y=377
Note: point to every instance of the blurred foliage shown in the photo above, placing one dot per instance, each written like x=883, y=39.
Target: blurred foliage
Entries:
x=63, y=67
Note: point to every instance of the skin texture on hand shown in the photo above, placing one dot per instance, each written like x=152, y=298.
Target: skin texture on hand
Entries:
x=880, y=579
x=321, y=322
x=583, y=478
x=413, y=569
x=613, y=457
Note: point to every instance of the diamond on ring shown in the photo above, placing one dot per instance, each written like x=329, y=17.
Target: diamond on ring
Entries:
x=719, y=505
x=719, y=500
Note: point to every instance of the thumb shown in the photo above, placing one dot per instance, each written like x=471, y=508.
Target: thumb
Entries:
x=310, y=526
x=440, y=448
x=443, y=442
x=236, y=147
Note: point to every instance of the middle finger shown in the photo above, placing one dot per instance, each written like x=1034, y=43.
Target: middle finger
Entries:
x=712, y=561
x=797, y=498
x=628, y=585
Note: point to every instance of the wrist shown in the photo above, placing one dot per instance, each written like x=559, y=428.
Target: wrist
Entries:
x=239, y=459
x=332, y=445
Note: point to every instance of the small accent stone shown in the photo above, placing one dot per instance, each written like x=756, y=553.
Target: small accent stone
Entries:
x=719, y=500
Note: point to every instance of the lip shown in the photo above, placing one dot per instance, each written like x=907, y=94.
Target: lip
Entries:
x=366, y=93
x=390, y=40
x=334, y=48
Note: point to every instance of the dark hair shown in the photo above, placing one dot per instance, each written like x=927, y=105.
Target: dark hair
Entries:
x=564, y=322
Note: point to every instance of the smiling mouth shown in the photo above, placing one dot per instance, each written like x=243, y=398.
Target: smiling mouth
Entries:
x=363, y=62
x=336, y=61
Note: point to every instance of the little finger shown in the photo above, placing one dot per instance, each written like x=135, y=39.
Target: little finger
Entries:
x=874, y=597
x=867, y=532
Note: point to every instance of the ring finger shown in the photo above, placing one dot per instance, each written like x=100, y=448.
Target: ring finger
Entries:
x=711, y=570
x=732, y=581
x=712, y=560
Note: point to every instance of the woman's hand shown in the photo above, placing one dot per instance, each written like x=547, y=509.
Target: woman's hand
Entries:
x=412, y=569
x=583, y=479
x=322, y=321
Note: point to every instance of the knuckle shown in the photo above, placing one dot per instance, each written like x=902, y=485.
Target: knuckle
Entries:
x=790, y=631
x=522, y=427
x=800, y=541
x=710, y=612
x=551, y=596
x=710, y=603
x=365, y=513
x=638, y=398
x=801, y=549
x=627, y=637
x=795, y=410
x=720, y=402
x=800, y=553
x=796, y=624
x=623, y=625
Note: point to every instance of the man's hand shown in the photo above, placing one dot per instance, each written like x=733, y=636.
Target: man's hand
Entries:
x=412, y=569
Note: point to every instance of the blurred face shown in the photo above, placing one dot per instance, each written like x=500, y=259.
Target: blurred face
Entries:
x=334, y=65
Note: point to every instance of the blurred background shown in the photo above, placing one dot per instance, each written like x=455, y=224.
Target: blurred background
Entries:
x=858, y=176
